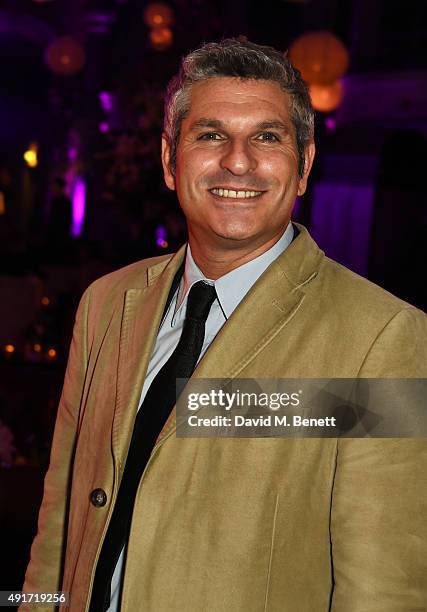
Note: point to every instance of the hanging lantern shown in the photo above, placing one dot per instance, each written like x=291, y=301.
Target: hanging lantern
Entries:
x=158, y=15
x=326, y=98
x=161, y=38
x=320, y=57
x=65, y=56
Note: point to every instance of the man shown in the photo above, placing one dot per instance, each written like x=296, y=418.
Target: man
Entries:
x=183, y=524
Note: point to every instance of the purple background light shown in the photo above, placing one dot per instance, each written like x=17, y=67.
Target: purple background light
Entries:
x=330, y=123
x=160, y=235
x=104, y=127
x=73, y=154
x=79, y=205
x=106, y=99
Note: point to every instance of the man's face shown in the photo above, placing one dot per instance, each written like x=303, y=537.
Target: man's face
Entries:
x=237, y=163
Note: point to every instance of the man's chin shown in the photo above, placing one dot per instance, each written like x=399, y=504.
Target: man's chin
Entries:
x=235, y=236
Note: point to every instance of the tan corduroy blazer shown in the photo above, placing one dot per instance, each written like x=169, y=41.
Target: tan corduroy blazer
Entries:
x=248, y=524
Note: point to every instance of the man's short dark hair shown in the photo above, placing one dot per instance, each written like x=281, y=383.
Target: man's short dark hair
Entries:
x=233, y=57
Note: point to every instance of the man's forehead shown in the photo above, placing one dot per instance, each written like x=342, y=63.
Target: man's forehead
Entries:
x=222, y=99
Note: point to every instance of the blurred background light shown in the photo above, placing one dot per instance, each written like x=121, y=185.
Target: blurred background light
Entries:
x=326, y=98
x=158, y=14
x=161, y=38
x=78, y=199
x=31, y=155
x=161, y=237
x=65, y=56
x=320, y=57
x=106, y=99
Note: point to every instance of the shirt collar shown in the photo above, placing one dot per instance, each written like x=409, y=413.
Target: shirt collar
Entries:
x=233, y=286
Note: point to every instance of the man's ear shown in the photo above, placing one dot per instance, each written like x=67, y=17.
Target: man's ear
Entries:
x=166, y=158
x=308, y=162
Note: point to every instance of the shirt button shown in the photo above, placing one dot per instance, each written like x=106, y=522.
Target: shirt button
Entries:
x=98, y=497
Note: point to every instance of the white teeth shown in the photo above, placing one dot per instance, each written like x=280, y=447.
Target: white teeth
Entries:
x=231, y=193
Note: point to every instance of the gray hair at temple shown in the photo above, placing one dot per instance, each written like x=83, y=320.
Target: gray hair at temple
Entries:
x=234, y=57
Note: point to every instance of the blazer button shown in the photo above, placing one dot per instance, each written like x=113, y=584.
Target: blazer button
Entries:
x=98, y=497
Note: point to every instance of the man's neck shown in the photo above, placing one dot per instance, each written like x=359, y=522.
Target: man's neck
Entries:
x=216, y=260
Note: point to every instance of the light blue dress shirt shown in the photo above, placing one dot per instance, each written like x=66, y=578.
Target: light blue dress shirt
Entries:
x=230, y=289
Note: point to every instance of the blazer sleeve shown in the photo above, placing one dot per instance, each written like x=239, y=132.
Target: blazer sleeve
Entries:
x=379, y=503
x=44, y=572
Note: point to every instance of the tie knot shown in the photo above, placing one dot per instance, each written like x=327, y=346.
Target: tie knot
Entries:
x=200, y=300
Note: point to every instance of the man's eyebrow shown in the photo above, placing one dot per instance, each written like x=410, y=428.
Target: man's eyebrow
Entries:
x=273, y=125
x=216, y=124
x=206, y=122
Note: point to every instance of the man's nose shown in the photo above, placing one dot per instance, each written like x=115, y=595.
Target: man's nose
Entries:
x=238, y=158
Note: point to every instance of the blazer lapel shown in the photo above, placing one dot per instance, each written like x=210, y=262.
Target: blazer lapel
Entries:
x=270, y=305
x=141, y=317
x=260, y=316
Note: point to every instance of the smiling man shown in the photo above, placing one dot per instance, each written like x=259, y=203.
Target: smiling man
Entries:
x=134, y=517
x=238, y=169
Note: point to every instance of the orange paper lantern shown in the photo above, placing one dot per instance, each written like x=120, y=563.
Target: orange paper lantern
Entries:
x=326, y=98
x=65, y=56
x=161, y=38
x=158, y=15
x=320, y=57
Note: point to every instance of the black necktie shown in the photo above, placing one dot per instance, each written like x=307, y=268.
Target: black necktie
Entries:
x=153, y=414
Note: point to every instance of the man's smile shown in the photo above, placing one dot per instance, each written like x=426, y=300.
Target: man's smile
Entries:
x=235, y=193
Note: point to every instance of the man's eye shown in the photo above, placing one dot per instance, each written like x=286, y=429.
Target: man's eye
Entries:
x=268, y=137
x=209, y=136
